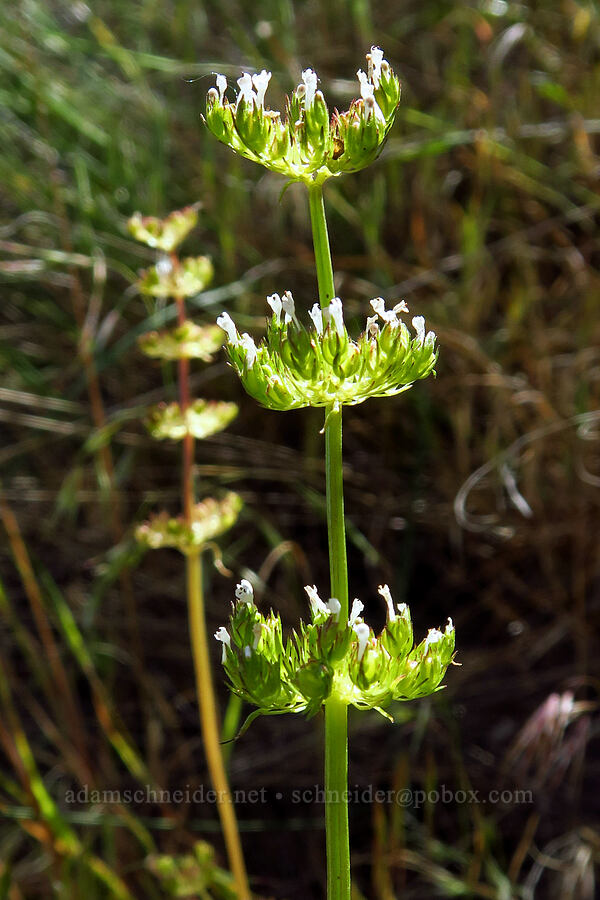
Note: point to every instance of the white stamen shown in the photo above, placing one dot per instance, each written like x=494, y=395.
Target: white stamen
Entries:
x=334, y=606
x=434, y=635
x=337, y=314
x=228, y=325
x=221, y=634
x=247, y=651
x=418, y=323
x=256, y=631
x=316, y=604
x=289, y=308
x=400, y=307
x=246, y=92
x=274, y=301
x=316, y=315
x=221, y=86
x=261, y=83
x=244, y=592
x=384, y=591
x=310, y=80
x=250, y=347
x=362, y=633
x=357, y=608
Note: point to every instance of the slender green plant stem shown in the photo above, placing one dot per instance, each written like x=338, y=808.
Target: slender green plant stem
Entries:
x=207, y=704
x=210, y=724
x=336, y=712
x=321, y=245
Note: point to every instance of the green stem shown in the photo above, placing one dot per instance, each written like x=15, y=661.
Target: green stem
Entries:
x=336, y=712
x=321, y=245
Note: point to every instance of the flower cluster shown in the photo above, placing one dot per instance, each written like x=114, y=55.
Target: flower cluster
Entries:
x=294, y=366
x=176, y=278
x=163, y=234
x=210, y=518
x=201, y=419
x=185, y=341
x=307, y=144
x=327, y=658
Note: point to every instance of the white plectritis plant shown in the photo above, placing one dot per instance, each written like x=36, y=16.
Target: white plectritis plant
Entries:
x=335, y=660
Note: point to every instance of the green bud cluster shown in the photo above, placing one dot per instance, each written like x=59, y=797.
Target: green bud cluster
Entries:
x=327, y=658
x=294, y=367
x=210, y=518
x=172, y=277
x=169, y=278
x=163, y=234
x=308, y=144
x=186, y=341
x=201, y=419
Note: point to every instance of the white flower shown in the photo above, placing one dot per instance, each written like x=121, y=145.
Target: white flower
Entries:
x=256, y=631
x=310, y=81
x=374, y=61
x=221, y=86
x=402, y=608
x=418, y=323
x=274, y=301
x=250, y=347
x=164, y=267
x=247, y=651
x=337, y=314
x=357, y=608
x=449, y=627
x=334, y=606
x=228, y=325
x=367, y=92
x=261, y=83
x=434, y=635
x=388, y=315
x=316, y=604
x=289, y=308
x=246, y=92
x=384, y=591
x=221, y=634
x=316, y=315
x=372, y=328
x=362, y=633
x=244, y=592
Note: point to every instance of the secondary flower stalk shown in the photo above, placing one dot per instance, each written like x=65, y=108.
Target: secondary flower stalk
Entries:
x=200, y=522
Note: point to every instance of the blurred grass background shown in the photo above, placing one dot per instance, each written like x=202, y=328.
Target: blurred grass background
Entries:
x=475, y=494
